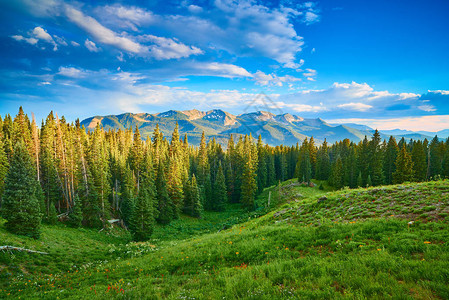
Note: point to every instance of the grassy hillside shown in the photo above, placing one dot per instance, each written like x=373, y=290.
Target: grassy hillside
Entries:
x=353, y=244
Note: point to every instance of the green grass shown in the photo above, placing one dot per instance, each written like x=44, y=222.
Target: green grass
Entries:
x=303, y=249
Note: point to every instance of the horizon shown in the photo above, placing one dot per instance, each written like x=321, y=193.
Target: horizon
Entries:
x=331, y=122
x=372, y=64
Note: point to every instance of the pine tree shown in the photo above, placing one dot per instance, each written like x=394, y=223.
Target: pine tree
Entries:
x=337, y=174
x=4, y=166
x=304, y=166
x=404, y=167
x=21, y=207
x=389, y=161
x=165, y=205
x=376, y=157
x=219, y=191
x=359, y=180
x=249, y=183
x=419, y=161
x=76, y=215
x=193, y=206
x=142, y=218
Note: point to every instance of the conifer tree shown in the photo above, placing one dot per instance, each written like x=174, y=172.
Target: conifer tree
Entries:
x=359, y=180
x=4, y=166
x=219, y=191
x=419, y=161
x=304, y=165
x=21, y=207
x=376, y=157
x=76, y=215
x=165, y=205
x=404, y=166
x=337, y=174
x=389, y=162
x=192, y=205
x=249, y=183
x=142, y=218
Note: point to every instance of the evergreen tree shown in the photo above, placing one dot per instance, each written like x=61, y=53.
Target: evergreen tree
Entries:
x=337, y=174
x=4, y=166
x=419, y=161
x=389, y=162
x=193, y=206
x=76, y=215
x=404, y=167
x=248, y=184
x=376, y=157
x=21, y=207
x=142, y=218
x=219, y=191
x=165, y=205
x=304, y=166
x=359, y=180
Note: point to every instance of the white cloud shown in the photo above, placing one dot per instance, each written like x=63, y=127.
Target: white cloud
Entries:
x=272, y=79
x=311, y=17
x=72, y=72
x=126, y=17
x=427, y=108
x=355, y=106
x=31, y=41
x=421, y=123
x=75, y=44
x=195, y=9
x=41, y=34
x=165, y=48
x=101, y=33
x=442, y=92
x=223, y=70
x=238, y=27
x=91, y=46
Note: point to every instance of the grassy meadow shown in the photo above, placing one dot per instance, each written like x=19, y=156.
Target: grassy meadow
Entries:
x=383, y=242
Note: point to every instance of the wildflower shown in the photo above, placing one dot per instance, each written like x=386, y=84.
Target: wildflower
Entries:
x=427, y=242
x=237, y=253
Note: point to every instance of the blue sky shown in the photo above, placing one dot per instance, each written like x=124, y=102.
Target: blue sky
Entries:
x=380, y=63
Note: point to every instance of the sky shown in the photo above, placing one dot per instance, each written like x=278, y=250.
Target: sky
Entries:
x=380, y=63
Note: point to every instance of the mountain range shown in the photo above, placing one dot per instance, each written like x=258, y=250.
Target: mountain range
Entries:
x=279, y=129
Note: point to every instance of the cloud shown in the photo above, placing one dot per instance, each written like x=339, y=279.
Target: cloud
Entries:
x=101, y=33
x=40, y=34
x=238, y=27
x=195, y=9
x=311, y=17
x=125, y=17
x=427, y=108
x=272, y=79
x=72, y=72
x=165, y=48
x=441, y=92
x=223, y=70
x=91, y=46
x=75, y=44
x=355, y=106
x=421, y=123
x=31, y=41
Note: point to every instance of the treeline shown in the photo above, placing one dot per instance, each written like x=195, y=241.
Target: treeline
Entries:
x=373, y=162
x=60, y=171
x=90, y=178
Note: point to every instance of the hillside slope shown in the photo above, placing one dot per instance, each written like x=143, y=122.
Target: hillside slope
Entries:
x=366, y=243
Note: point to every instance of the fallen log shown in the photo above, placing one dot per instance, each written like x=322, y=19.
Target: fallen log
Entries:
x=21, y=249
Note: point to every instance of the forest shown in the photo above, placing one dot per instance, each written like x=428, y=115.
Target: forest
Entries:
x=59, y=171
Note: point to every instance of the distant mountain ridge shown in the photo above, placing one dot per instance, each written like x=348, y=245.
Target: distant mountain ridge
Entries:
x=279, y=129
